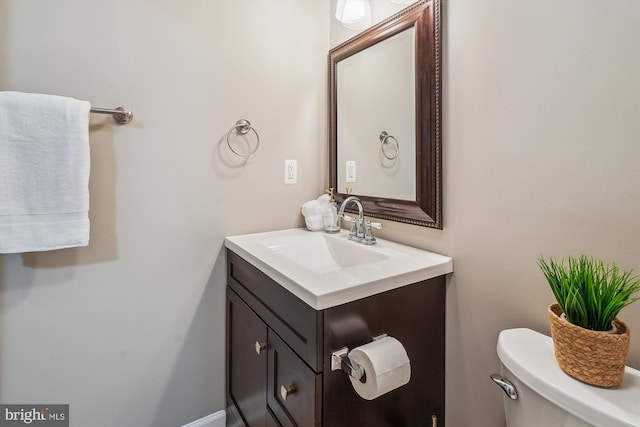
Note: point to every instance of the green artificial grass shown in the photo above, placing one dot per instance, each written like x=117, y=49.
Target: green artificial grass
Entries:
x=590, y=293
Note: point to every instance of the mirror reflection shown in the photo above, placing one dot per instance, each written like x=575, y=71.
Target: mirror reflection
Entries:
x=369, y=163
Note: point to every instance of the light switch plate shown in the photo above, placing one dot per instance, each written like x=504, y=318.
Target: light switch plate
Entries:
x=351, y=170
x=290, y=171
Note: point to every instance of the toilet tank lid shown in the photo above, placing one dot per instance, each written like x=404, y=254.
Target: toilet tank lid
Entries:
x=529, y=356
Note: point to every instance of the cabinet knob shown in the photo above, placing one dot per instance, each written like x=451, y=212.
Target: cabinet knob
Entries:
x=260, y=346
x=287, y=391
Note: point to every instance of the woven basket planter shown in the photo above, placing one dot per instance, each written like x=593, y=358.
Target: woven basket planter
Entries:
x=596, y=358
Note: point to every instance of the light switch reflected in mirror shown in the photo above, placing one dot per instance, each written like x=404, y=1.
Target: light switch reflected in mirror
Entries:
x=369, y=109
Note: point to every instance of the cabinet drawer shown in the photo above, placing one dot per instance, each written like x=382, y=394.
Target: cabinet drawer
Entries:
x=294, y=391
x=296, y=322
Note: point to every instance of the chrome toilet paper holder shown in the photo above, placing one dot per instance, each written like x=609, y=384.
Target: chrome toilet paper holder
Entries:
x=340, y=362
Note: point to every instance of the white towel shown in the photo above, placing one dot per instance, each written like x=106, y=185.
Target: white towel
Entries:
x=312, y=212
x=44, y=172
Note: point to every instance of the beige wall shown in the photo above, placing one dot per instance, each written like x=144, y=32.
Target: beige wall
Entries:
x=130, y=331
x=541, y=153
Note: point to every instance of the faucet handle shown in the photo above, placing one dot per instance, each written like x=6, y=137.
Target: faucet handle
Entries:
x=369, y=238
x=354, y=228
x=375, y=225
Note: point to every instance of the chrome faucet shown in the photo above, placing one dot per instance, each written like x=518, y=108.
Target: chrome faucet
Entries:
x=360, y=230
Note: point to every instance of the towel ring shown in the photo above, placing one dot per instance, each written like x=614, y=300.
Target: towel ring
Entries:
x=386, y=139
x=243, y=127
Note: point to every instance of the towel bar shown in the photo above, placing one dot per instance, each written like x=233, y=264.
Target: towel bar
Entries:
x=122, y=115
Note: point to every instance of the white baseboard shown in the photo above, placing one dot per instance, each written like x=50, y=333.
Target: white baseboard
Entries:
x=217, y=419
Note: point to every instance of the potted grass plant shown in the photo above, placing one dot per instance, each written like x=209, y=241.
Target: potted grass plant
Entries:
x=590, y=343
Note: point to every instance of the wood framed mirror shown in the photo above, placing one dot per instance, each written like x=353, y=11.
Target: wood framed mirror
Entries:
x=388, y=79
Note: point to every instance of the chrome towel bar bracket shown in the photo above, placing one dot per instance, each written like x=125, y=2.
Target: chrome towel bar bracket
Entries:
x=122, y=115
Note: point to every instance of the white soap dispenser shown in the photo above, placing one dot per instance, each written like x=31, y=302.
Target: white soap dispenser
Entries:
x=330, y=215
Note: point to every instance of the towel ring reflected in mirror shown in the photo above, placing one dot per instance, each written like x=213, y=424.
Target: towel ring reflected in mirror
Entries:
x=387, y=140
x=243, y=127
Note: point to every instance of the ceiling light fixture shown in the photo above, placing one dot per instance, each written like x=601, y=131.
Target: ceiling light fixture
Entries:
x=354, y=14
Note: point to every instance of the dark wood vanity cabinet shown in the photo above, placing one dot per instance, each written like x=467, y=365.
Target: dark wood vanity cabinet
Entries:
x=279, y=349
x=248, y=364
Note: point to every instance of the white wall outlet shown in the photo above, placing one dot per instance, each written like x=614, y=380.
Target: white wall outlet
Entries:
x=290, y=171
x=351, y=170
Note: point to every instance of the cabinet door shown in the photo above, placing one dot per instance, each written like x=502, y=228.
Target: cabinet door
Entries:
x=246, y=361
x=299, y=325
x=271, y=419
x=415, y=315
x=294, y=390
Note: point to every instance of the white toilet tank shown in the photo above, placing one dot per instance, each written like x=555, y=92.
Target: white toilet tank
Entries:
x=547, y=397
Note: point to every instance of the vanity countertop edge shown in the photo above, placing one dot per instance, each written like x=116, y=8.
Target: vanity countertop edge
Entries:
x=319, y=298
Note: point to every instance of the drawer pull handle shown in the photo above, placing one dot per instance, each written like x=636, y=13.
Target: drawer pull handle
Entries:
x=285, y=392
x=260, y=346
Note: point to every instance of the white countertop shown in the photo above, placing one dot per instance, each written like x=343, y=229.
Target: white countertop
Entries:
x=325, y=270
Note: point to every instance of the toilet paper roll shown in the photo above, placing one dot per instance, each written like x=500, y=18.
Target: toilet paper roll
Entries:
x=386, y=365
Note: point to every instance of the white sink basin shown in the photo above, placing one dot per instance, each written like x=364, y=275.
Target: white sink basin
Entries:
x=320, y=253
x=325, y=270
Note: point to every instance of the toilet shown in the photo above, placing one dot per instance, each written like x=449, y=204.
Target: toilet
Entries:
x=538, y=393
